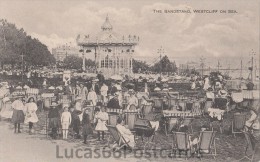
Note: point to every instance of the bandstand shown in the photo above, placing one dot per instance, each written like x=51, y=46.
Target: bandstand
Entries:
x=113, y=52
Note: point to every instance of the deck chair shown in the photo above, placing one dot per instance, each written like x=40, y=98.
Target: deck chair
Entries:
x=188, y=122
x=250, y=144
x=206, y=144
x=118, y=138
x=238, y=123
x=144, y=130
x=158, y=104
x=182, y=104
x=130, y=118
x=147, y=109
x=172, y=102
x=112, y=118
x=182, y=143
x=197, y=107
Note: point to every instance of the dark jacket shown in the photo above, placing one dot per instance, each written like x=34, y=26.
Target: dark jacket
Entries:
x=54, y=113
x=87, y=128
x=113, y=103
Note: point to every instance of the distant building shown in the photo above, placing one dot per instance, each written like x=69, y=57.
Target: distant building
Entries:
x=61, y=52
x=188, y=66
x=113, y=52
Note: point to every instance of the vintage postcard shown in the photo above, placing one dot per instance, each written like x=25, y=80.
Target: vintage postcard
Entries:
x=133, y=80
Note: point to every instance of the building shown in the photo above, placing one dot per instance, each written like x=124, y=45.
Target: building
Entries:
x=61, y=52
x=113, y=52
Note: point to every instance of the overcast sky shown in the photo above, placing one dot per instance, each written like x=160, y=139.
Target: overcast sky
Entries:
x=55, y=22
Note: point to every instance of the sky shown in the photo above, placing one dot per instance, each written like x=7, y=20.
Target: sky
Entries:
x=181, y=35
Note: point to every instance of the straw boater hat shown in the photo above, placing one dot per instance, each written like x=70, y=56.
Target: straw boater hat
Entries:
x=51, y=87
x=26, y=87
x=54, y=104
x=157, y=89
x=117, y=94
x=78, y=98
x=222, y=93
x=18, y=87
x=131, y=91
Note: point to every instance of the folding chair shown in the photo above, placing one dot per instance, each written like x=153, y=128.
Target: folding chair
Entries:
x=250, y=144
x=238, y=123
x=182, y=104
x=182, y=143
x=147, y=109
x=158, y=104
x=188, y=122
x=130, y=118
x=144, y=129
x=172, y=102
x=112, y=118
x=118, y=138
x=207, y=144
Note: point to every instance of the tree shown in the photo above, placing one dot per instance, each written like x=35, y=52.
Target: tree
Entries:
x=72, y=62
x=139, y=66
x=164, y=65
x=15, y=42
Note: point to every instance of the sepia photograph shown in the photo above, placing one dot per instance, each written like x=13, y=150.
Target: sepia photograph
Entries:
x=129, y=80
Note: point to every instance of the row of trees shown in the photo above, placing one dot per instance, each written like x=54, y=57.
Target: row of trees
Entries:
x=16, y=45
x=163, y=65
x=75, y=62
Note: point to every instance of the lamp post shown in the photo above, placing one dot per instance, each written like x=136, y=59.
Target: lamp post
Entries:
x=160, y=51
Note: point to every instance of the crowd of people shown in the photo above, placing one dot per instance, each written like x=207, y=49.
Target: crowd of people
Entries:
x=101, y=96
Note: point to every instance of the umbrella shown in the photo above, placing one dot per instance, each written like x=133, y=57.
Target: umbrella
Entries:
x=116, y=77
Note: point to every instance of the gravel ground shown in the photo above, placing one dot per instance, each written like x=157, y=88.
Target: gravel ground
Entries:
x=37, y=147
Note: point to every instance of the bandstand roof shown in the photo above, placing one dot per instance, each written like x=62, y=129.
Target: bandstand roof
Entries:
x=107, y=37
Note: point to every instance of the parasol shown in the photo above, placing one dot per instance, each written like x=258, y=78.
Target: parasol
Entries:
x=116, y=77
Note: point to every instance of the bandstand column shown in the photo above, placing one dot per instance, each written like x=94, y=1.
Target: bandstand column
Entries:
x=83, y=58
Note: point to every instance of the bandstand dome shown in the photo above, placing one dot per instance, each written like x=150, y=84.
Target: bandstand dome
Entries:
x=113, y=52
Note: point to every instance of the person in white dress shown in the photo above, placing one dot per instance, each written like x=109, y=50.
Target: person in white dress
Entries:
x=103, y=92
x=65, y=122
x=132, y=100
x=30, y=113
x=126, y=133
x=102, y=118
x=206, y=83
x=92, y=96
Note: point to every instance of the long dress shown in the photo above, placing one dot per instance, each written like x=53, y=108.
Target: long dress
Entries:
x=18, y=115
x=7, y=111
x=93, y=97
x=102, y=118
x=103, y=92
x=206, y=84
x=30, y=111
x=127, y=135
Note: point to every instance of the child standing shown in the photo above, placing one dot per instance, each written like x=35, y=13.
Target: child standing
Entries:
x=87, y=128
x=101, y=118
x=65, y=122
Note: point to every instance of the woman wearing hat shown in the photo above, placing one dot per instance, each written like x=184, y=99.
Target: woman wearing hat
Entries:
x=30, y=113
x=126, y=133
x=18, y=115
x=132, y=100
